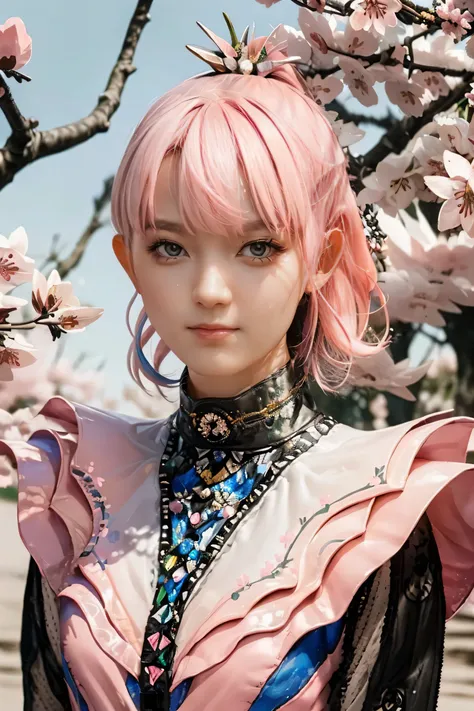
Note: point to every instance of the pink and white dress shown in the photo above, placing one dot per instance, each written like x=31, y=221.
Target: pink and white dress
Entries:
x=314, y=573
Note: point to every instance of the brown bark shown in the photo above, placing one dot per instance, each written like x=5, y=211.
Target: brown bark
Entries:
x=26, y=145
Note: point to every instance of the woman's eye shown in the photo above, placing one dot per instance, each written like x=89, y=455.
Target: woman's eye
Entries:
x=166, y=249
x=262, y=249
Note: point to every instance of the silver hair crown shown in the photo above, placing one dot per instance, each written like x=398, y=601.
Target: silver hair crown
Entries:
x=255, y=56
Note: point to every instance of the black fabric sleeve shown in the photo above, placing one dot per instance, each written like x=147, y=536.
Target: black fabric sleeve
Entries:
x=44, y=687
x=394, y=635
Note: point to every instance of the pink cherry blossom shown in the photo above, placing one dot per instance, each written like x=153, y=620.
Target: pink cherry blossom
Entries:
x=14, y=353
x=9, y=304
x=446, y=264
x=325, y=90
x=433, y=81
x=77, y=318
x=357, y=42
x=346, y=131
x=458, y=192
x=411, y=298
x=15, y=44
x=319, y=32
x=391, y=186
x=287, y=538
x=268, y=3
x=359, y=81
x=52, y=293
x=406, y=95
x=267, y=569
x=242, y=581
x=380, y=372
x=456, y=23
x=374, y=14
x=15, y=267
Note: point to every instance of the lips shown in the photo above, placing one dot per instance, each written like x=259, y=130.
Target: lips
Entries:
x=213, y=327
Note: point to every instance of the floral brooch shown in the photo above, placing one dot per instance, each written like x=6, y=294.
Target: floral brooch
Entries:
x=255, y=56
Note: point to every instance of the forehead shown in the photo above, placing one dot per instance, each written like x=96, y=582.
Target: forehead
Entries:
x=173, y=196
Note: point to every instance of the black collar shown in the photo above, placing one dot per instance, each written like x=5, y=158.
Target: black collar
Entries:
x=266, y=414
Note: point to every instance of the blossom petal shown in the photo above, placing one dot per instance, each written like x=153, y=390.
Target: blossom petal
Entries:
x=442, y=186
x=449, y=216
x=456, y=165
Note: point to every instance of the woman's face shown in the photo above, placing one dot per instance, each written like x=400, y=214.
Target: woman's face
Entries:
x=250, y=286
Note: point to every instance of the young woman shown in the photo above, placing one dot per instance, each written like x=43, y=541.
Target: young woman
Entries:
x=247, y=552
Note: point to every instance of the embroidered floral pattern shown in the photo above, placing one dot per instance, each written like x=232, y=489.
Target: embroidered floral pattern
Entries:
x=97, y=502
x=205, y=493
x=324, y=504
x=213, y=426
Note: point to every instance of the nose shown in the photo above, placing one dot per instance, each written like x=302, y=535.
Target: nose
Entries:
x=211, y=286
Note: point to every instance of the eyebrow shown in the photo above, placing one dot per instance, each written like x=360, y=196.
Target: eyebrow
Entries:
x=178, y=228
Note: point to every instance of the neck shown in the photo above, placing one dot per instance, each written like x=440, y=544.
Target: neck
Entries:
x=201, y=386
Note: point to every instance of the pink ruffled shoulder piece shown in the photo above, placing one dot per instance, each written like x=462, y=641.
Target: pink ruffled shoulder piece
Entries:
x=340, y=512
x=88, y=514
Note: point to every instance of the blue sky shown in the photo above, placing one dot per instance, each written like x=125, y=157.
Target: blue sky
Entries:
x=74, y=48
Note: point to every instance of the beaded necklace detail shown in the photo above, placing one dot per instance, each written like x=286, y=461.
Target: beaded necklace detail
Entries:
x=205, y=494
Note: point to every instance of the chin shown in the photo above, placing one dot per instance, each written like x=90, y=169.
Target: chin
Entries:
x=214, y=364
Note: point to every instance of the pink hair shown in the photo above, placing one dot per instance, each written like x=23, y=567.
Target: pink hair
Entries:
x=270, y=132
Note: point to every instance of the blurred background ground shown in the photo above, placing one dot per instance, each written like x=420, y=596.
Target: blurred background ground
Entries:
x=457, y=689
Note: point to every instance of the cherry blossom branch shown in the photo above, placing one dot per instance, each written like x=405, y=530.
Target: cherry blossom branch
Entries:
x=401, y=132
x=343, y=113
x=25, y=145
x=20, y=126
x=96, y=222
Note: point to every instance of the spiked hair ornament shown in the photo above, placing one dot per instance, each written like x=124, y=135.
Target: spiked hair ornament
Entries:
x=244, y=56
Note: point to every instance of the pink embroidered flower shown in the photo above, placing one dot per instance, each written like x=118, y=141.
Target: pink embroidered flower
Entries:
x=375, y=481
x=458, y=192
x=286, y=538
x=242, y=581
x=376, y=14
x=15, y=44
x=268, y=569
x=324, y=500
x=456, y=23
x=195, y=518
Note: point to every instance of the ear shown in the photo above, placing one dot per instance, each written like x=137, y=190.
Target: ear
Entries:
x=123, y=254
x=329, y=259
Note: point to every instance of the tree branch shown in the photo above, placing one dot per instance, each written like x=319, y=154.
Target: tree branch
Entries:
x=401, y=132
x=343, y=113
x=25, y=145
x=96, y=222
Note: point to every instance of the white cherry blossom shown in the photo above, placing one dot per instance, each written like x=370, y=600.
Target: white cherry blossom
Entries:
x=359, y=81
x=379, y=371
x=76, y=318
x=15, y=267
x=392, y=185
x=52, y=293
x=346, y=131
x=458, y=192
x=374, y=15
x=14, y=353
x=325, y=89
x=448, y=264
